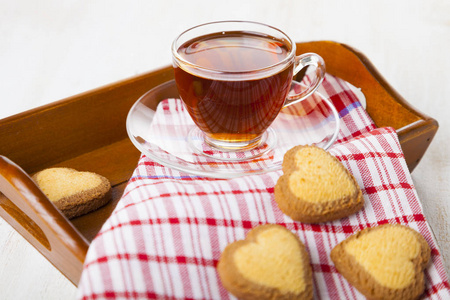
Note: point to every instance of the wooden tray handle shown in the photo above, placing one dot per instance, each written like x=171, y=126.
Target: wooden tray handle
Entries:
x=35, y=217
x=384, y=104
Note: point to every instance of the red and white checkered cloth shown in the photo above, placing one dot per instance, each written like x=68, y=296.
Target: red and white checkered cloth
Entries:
x=166, y=235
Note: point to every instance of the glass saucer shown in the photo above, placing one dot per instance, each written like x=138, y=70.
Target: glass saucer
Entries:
x=161, y=129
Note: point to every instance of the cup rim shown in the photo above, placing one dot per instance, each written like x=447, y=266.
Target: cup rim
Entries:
x=178, y=58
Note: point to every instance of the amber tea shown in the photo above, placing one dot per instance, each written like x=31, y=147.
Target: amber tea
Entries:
x=234, y=78
x=226, y=105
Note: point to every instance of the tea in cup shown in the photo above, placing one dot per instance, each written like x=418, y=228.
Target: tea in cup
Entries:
x=234, y=77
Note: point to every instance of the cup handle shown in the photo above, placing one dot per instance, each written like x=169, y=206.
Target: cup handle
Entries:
x=303, y=61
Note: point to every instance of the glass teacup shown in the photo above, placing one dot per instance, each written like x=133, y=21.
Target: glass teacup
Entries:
x=234, y=77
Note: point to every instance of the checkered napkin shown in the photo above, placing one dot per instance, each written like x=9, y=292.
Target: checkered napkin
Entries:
x=166, y=234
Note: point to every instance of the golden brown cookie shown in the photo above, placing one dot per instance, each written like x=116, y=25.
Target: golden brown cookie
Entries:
x=74, y=193
x=316, y=187
x=271, y=263
x=384, y=262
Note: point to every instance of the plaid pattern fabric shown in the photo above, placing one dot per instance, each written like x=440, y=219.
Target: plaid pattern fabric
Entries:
x=166, y=235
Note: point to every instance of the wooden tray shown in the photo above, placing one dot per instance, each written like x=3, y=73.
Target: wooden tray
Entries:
x=87, y=132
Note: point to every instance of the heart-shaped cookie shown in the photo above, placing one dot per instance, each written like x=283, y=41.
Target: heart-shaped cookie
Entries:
x=74, y=193
x=271, y=263
x=384, y=262
x=316, y=187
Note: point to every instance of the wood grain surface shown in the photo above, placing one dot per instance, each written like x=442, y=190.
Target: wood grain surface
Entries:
x=51, y=50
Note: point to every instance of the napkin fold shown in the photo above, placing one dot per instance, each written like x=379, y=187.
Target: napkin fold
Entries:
x=167, y=232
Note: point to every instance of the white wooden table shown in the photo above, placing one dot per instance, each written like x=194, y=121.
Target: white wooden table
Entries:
x=53, y=49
